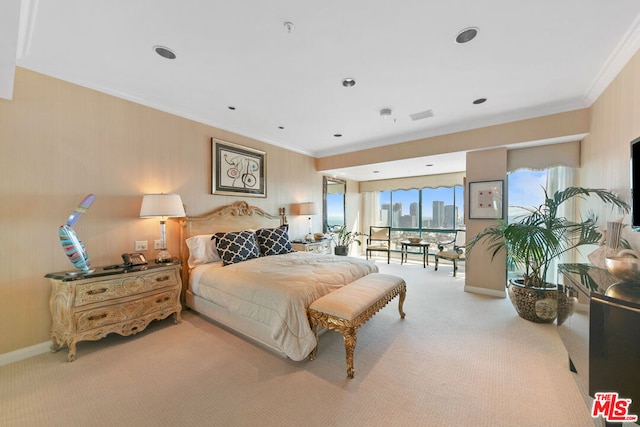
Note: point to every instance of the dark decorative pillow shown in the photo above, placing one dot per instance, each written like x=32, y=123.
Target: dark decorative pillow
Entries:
x=237, y=246
x=274, y=241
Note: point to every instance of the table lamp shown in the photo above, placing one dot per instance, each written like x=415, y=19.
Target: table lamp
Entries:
x=162, y=206
x=309, y=208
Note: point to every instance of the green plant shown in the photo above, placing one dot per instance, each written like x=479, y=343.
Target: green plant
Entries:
x=346, y=238
x=538, y=237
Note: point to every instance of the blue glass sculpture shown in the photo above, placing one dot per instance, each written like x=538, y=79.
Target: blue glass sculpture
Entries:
x=72, y=246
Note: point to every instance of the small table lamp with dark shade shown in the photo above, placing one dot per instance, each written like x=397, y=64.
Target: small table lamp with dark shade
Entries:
x=162, y=206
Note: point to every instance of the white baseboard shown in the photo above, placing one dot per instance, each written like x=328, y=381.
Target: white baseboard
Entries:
x=485, y=291
x=24, y=353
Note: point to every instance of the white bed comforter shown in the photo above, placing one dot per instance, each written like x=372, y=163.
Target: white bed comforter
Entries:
x=276, y=291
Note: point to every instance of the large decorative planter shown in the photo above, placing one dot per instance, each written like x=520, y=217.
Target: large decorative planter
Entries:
x=539, y=305
x=341, y=250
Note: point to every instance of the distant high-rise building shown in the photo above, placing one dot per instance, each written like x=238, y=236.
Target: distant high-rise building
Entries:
x=397, y=213
x=414, y=211
x=405, y=221
x=450, y=216
x=438, y=214
x=385, y=214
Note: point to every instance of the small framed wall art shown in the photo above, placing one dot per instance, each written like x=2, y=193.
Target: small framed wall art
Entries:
x=237, y=170
x=486, y=199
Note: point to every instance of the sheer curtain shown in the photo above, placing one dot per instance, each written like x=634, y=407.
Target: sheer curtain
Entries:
x=559, y=178
x=371, y=210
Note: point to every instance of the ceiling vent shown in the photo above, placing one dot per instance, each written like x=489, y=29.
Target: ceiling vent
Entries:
x=422, y=115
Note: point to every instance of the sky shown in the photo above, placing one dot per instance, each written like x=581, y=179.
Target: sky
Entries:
x=526, y=189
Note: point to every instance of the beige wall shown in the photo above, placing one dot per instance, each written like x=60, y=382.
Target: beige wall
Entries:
x=60, y=141
x=484, y=274
x=615, y=122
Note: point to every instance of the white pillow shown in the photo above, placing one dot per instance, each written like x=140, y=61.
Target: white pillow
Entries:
x=201, y=250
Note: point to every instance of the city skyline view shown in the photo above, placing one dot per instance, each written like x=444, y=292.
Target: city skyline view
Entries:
x=524, y=190
x=442, y=207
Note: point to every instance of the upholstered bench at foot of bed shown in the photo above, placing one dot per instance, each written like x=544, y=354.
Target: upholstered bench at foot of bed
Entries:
x=349, y=307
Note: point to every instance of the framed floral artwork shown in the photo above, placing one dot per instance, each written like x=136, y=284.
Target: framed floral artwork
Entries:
x=237, y=170
x=486, y=200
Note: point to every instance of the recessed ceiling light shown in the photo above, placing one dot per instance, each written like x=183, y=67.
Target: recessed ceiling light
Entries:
x=429, y=165
x=231, y=107
x=348, y=82
x=289, y=27
x=466, y=35
x=280, y=127
x=165, y=52
x=376, y=171
x=337, y=135
x=480, y=101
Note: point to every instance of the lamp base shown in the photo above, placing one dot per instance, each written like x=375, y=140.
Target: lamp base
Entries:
x=163, y=257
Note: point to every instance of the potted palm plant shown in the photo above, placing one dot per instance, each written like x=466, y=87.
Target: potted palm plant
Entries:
x=534, y=240
x=343, y=239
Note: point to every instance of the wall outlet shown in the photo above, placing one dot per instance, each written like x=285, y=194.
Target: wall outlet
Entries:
x=141, y=245
x=157, y=244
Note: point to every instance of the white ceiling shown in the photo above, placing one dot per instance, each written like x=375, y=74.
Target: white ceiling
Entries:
x=529, y=59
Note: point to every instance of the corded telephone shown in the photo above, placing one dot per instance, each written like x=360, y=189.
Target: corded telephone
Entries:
x=133, y=259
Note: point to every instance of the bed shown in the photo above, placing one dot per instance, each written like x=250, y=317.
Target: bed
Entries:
x=260, y=289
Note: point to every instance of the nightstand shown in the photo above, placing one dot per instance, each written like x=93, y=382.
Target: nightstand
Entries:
x=319, y=246
x=88, y=306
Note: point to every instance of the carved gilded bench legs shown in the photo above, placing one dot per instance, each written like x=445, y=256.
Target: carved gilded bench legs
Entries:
x=403, y=294
x=349, y=328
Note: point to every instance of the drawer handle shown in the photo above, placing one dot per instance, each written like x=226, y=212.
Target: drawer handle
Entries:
x=101, y=316
x=159, y=300
x=97, y=291
x=162, y=279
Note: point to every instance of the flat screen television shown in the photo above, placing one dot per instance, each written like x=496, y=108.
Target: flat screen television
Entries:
x=635, y=184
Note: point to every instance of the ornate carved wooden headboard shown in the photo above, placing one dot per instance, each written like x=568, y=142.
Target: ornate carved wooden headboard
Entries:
x=237, y=216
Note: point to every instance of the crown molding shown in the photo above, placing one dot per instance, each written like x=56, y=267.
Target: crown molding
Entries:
x=626, y=48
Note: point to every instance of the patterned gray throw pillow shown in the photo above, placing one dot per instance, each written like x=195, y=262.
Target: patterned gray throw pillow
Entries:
x=236, y=246
x=274, y=241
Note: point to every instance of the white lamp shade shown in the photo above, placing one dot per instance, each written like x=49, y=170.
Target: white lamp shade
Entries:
x=308, y=208
x=161, y=205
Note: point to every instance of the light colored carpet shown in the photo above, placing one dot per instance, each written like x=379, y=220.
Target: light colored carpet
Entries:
x=458, y=359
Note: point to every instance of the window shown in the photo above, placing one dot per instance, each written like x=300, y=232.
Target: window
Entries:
x=525, y=190
x=526, y=187
x=421, y=212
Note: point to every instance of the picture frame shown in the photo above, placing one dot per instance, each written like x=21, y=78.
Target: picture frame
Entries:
x=237, y=170
x=486, y=199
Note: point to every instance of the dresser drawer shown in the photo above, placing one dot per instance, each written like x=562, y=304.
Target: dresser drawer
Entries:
x=104, y=290
x=116, y=313
x=319, y=247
